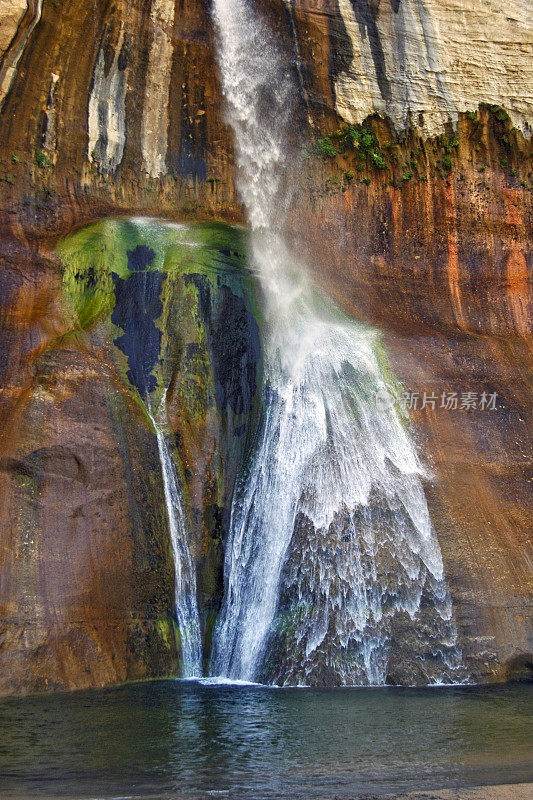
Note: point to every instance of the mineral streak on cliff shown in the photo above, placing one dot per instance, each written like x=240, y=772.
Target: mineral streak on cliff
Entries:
x=155, y=117
x=106, y=113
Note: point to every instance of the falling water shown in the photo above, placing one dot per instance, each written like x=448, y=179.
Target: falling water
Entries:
x=333, y=572
x=185, y=601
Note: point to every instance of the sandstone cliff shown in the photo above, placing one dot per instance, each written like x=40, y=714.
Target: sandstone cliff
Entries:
x=418, y=221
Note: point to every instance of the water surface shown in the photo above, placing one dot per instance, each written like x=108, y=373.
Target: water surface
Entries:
x=188, y=740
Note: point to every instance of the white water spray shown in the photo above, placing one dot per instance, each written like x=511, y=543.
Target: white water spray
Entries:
x=333, y=571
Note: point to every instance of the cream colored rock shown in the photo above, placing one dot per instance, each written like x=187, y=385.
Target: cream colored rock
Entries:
x=11, y=14
x=156, y=98
x=50, y=131
x=18, y=19
x=428, y=60
x=107, y=115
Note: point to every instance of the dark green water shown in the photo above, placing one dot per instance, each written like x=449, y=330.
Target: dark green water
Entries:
x=188, y=740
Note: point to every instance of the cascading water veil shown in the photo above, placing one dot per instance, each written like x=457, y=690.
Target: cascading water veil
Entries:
x=333, y=573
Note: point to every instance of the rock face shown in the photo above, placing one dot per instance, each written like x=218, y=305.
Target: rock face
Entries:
x=16, y=26
x=418, y=221
x=421, y=62
x=86, y=575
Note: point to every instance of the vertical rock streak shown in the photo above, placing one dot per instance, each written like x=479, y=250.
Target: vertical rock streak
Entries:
x=333, y=573
x=107, y=109
x=154, y=131
x=50, y=132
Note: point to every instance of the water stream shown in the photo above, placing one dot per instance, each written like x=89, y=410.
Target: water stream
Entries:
x=333, y=572
x=185, y=596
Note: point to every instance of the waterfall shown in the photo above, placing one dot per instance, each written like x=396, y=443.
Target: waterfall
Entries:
x=333, y=572
x=184, y=569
